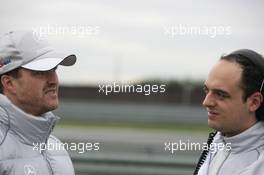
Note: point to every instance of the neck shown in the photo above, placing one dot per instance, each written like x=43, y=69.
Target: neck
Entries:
x=248, y=125
x=24, y=106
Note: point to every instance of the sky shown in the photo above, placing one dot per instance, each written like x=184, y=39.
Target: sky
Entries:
x=127, y=41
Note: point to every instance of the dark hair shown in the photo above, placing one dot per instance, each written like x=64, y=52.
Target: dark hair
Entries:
x=251, y=78
x=13, y=73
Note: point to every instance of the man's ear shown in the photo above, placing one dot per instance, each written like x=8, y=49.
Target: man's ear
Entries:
x=8, y=84
x=254, y=101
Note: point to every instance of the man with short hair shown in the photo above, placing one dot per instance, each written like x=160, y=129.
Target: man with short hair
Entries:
x=29, y=91
x=234, y=102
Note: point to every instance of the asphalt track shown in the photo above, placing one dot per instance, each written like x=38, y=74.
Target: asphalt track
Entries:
x=130, y=112
x=126, y=151
x=131, y=151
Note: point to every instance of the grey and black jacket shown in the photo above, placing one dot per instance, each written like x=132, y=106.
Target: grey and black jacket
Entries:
x=246, y=156
x=23, y=143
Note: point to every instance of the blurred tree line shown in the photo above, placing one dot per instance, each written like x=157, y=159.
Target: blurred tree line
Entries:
x=180, y=92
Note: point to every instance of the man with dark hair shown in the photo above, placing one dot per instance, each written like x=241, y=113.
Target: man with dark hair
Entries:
x=29, y=91
x=234, y=102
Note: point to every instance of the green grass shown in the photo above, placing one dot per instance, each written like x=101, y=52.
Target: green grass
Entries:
x=173, y=127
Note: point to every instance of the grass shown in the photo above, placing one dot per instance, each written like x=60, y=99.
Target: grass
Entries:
x=173, y=127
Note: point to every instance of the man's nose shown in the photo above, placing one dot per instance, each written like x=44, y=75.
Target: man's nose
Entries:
x=52, y=76
x=209, y=100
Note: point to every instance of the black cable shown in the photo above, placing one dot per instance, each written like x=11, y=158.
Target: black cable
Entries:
x=204, y=153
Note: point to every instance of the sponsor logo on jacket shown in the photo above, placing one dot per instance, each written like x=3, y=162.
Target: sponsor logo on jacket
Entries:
x=29, y=170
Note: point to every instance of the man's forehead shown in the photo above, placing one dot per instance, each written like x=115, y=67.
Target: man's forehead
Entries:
x=226, y=70
x=224, y=75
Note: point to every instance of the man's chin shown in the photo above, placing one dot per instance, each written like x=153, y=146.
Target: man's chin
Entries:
x=52, y=105
x=214, y=125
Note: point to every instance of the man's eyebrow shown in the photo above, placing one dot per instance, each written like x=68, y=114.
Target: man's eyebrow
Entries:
x=217, y=90
x=221, y=91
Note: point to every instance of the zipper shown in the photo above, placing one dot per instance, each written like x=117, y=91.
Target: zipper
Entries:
x=48, y=163
x=44, y=154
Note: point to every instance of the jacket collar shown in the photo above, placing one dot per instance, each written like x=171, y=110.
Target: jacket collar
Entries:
x=28, y=128
x=250, y=139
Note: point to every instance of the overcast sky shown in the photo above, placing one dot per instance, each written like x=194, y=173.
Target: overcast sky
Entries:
x=125, y=41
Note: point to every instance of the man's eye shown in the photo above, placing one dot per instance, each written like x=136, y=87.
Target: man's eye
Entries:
x=221, y=94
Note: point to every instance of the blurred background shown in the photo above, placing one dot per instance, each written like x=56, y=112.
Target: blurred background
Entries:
x=165, y=43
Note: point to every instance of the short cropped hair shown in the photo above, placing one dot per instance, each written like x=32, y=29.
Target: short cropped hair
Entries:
x=251, y=79
x=14, y=73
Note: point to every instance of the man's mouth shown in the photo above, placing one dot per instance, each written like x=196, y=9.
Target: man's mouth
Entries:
x=51, y=91
x=212, y=114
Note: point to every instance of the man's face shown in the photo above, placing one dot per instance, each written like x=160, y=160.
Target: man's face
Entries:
x=36, y=92
x=227, y=112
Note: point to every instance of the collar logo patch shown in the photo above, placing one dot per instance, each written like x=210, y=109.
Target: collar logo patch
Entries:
x=29, y=170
